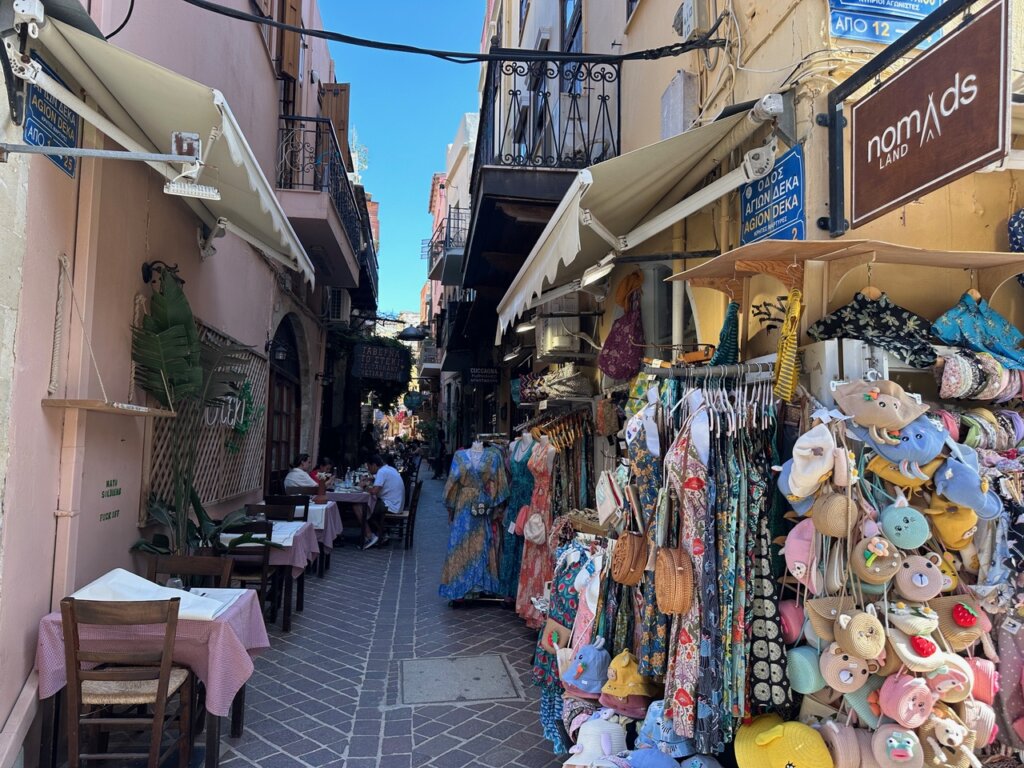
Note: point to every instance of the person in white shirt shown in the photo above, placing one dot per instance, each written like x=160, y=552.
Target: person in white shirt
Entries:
x=298, y=479
x=388, y=491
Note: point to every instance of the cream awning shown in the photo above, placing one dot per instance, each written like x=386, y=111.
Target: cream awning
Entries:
x=148, y=103
x=618, y=195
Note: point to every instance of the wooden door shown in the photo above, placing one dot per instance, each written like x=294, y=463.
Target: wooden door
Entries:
x=334, y=106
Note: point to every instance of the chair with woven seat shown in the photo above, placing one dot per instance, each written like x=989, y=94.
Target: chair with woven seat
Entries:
x=111, y=690
x=251, y=563
x=403, y=523
x=283, y=513
x=193, y=570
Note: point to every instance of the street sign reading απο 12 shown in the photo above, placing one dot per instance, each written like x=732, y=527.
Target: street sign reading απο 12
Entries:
x=50, y=123
x=773, y=206
x=900, y=9
x=871, y=28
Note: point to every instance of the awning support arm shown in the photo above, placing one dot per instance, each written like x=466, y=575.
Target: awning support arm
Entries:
x=108, y=154
x=756, y=164
x=588, y=219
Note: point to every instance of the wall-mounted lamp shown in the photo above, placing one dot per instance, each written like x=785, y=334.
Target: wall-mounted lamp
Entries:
x=510, y=356
x=413, y=333
x=150, y=269
x=526, y=325
x=596, y=273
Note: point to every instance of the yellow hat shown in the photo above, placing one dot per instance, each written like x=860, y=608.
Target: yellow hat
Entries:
x=890, y=472
x=768, y=742
x=624, y=678
x=954, y=526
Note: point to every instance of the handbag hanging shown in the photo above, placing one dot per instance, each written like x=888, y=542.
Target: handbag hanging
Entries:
x=629, y=558
x=673, y=570
x=623, y=349
x=609, y=500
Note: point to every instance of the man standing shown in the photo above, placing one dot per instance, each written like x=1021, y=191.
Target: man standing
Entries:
x=388, y=492
x=442, y=454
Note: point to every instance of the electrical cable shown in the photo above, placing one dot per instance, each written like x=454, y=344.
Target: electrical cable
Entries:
x=123, y=24
x=457, y=57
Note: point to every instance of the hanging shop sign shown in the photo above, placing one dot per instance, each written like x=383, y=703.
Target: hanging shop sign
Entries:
x=50, y=123
x=380, y=361
x=773, y=206
x=941, y=117
x=413, y=400
x=483, y=376
x=899, y=9
x=872, y=28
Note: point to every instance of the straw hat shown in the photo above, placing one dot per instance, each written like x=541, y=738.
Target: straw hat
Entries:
x=768, y=742
x=919, y=653
x=834, y=514
x=882, y=405
x=894, y=746
x=875, y=560
x=860, y=632
x=961, y=620
x=919, y=578
x=841, y=741
x=912, y=618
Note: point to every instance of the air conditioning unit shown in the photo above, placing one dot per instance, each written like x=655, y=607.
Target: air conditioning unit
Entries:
x=679, y=104
x=693, y=19
x=555, y=335
x=337, y=305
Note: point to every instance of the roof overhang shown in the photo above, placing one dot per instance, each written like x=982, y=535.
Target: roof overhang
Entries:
x=142, y=104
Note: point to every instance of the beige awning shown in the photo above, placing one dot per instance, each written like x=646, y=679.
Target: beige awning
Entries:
x=148, y=103
x=618, y=196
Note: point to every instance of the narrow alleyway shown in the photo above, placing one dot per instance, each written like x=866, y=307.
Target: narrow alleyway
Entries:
x=329, y=693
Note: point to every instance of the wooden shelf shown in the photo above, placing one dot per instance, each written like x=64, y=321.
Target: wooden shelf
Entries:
x=101, y=406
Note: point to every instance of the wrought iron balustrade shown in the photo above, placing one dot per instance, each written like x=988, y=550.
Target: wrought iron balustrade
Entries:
x=456, y=228
x=309, y=157
x=548, y=113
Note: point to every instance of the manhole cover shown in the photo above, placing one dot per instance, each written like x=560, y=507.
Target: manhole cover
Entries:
x=458, y=680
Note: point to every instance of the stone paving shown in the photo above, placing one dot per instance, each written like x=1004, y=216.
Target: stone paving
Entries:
x=328, y=693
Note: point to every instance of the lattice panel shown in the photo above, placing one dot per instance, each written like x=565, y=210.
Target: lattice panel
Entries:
x=220, y=474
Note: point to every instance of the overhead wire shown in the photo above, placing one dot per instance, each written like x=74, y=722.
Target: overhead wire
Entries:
x=457, y=57
x=123, y=24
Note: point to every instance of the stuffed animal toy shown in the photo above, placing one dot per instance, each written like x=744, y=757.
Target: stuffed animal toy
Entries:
x=880, y=406
x=947, y=735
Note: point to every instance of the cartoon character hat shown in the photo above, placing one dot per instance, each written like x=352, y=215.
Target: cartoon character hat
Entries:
x=599, y=740
x=768, y=742
x=624, y=678
x=890, y=472
x=880, y=406
x=700, y=761
x=954, y=525
x=959, y=481
x=801, y=504
x=658, y=732
x=894, y=746
x=588, y=671
x=801, y=552
x=919, y=443
x=813, y=459
x=632, y=706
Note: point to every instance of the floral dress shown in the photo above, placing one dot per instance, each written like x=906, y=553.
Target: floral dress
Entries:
x=475, y=482
x=538, y=560
x=520, y=493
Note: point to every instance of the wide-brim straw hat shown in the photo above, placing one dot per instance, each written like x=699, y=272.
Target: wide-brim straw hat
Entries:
x=962, y=621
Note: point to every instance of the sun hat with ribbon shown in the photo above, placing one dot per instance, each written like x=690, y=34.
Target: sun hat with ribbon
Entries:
x=919, y=578
x=588, y=670
x=624, y=678
x=803, y=671
x=801, y=553
x=843, y=671
x=986, y=679
x=598, y=740
x=875, y=560
x=903, y=525
x=657, y=731
x=813, y=460
x=861, y=633
x=768, y=742
x=907, y=700
x=864, y=701
x=919, y=653
x=823, y=612
x=962, y=621
x=912, y=618
x=953, y=681
x=834, y=514
x=841, y=741
x=894, y=746
x=953, y=525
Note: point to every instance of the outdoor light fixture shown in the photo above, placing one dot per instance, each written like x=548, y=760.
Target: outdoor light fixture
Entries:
x=526, y=325
x=510, y=356
x=150, y=268
x=413, y=333
x=596, y=273
x=191, y=189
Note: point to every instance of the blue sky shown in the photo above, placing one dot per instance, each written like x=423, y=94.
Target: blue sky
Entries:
x=405, y=110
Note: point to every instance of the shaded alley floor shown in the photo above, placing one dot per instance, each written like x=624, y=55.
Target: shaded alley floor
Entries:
x=329, y=692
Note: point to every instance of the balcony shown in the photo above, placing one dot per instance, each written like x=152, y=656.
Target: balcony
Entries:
x=428, y=361
x=540, y=123
x=316, y=194
x=365, y=295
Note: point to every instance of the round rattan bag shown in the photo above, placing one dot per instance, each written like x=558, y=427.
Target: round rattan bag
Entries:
x=673, y=581
x=834, y=514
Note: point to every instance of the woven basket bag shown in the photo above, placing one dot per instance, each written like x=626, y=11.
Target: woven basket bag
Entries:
x=629, y=558
x=673, y=573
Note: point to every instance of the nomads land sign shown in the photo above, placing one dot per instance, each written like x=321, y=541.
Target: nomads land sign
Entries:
x=941, y=117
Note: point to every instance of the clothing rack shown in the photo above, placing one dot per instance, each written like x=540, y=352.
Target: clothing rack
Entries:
x=548, y=419
x=738, y=370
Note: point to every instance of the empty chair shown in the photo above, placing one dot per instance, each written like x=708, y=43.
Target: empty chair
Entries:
x=281, y=512
x=295, y=499
x=194, y=571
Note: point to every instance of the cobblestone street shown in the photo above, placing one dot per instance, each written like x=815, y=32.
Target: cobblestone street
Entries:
x=329, y=692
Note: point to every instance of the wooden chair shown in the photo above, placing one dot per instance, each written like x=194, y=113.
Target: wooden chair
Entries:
x=295, y=499
x=117, y=686
x=402, y=523
x=251, y=564
x=194, y=571
x=284, y=513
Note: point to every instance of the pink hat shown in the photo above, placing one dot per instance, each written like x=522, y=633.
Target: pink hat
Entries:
x=801, y=551
x=907, y=700
x=986, y=679
x=791, y=616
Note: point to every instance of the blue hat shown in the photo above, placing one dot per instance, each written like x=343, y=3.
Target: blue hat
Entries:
x=657, y=731
x=701, y=761
x=959, y=480
x=920, y=442
x=651, y=758
x=588, y=670
x=802, y=505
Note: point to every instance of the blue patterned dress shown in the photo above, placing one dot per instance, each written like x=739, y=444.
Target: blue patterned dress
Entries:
x=520, y=493
x=471, y=566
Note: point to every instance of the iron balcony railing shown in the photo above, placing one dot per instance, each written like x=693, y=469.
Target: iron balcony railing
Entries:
x=456, y=228
x=548, y=113
x=428, y=354
x=309, y=158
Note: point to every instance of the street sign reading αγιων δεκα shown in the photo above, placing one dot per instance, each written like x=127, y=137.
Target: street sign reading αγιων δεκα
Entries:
x=50, y=123
x=773, y=206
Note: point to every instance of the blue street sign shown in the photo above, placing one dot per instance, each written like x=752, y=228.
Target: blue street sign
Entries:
x=871, y=28
x=773, y=207
x=901, y=9
x=50, y=123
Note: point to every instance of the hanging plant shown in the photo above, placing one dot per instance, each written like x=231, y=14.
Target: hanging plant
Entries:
x=251, y=415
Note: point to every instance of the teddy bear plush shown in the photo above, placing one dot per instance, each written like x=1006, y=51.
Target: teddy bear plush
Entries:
x=947, y=735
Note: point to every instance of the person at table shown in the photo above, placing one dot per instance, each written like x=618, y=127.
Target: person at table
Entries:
x=388, y=492
x=298, y=479
x=325, y=469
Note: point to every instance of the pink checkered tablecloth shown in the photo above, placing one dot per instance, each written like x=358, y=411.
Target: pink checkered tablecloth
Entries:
x=219, y=652
x=303, y=550
x=350, y=497
x=327, y=523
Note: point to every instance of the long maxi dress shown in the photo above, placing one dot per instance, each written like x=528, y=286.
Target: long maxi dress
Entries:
x=538, y=559
x=471, y=566
x=520, y=493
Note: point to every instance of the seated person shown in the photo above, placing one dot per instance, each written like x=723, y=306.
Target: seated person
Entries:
x=298, y=479
x=324, y=469
x=388, y=492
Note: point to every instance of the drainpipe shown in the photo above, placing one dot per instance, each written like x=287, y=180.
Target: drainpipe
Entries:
x=678, y=288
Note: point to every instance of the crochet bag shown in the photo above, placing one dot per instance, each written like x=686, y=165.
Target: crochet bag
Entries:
x=673, y=572
x=629, y=558
x=623, y=350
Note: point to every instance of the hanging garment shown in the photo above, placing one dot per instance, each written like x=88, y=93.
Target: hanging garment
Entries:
x=880, y=323
x=623, y=349
x=786, y=371
x=728, y=350
x=520, y=493
x=537, y=562
x=974, y=324
x=471, y=566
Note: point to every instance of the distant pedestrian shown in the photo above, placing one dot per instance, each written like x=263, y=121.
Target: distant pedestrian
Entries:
x=442, y=452
x=367, y=444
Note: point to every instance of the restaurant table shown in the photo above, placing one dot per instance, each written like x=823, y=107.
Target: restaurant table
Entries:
x=358, y=502
x=298, y=549
x=326, y=519
x=219, y=652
